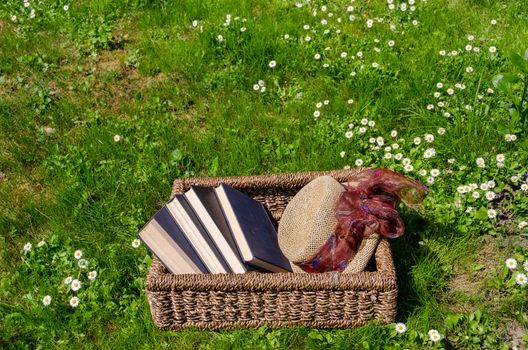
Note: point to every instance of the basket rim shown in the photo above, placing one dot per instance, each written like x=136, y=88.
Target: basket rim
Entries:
x=297, y=179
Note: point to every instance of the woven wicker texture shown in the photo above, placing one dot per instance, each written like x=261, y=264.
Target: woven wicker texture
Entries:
x=322, y=300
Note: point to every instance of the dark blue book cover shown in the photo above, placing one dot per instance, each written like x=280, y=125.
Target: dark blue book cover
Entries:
x=252, y=229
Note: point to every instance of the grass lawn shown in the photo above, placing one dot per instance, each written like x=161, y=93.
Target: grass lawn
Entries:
x=104, y=103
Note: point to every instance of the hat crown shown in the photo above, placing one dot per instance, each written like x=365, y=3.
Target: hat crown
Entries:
x=309, y=219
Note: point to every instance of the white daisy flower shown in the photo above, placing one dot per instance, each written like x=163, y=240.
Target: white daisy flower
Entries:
x=194, y=23
x=349, y=134
x=450, y=91
x=492, y=49
x=492, y=213
x=362, y=130
x=380, y=141
x=325, y=102
x=372, y=140
x=256, y=87
x=68, y=280
x=435, y=172
x=391, y=43
x=316, y=114
x=220, y=37
x=484, y=186
x=75, y=285
x=468, y=47
x=92, y=275
x=490, y=195
x=524, y=187
x=469, y=209
x=408, y=167
x=388, y=149
x=470, y=37
x=429, y=138
x=511, y=263
x=375, y=64
x=441, y=131
x=521, y=279
x=493, y=21
x=359, y=162
x=136, y=243
x=359, y=54
x=388, y=155
x=522, y=225
x=395, y=146
x=307, y=38
x=480, y=162
x=27, y=247
x=406, y=161
x=434, y=335
x=346, y=167
x=514, y=178
x=41, y=243
x=243, y=29
x=430, y=107
x=442, y=52
x=475, y=194
x=469, y=69
x=439, y=85
x=371, y=123
x=447, y=114
x=82, y=263
x=461, y=189
x=272, y=64
x=350, y=101
x=500, y=157
x=400, y=328
x=46, y=300
x=342, y=154
x=417, y=140
x=286, y=36
x=317, y=56
x=398, y=156
x=422, y=172
x=74, y=302
x=437, y=94
x=430, y=152
x=393, y=133
x=473, y=186
x=78, y=254
x=66, y=7
x=491, y=184
x=451, y=160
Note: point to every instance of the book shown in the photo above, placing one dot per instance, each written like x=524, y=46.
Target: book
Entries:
x=197, y=235
x=168, y=242
x=253, y=231
x=205, y=204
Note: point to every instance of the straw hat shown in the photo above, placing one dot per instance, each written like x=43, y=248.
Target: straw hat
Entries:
x=308, y=221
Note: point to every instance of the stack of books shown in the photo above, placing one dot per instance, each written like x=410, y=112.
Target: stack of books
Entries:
x=214, y=230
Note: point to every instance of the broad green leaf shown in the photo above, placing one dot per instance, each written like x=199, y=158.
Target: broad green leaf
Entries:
x=525, y=56
x=518, y=61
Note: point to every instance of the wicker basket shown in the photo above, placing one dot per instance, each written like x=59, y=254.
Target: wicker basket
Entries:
x=322, y=300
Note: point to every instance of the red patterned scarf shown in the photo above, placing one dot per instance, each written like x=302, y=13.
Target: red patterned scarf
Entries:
x=368, y=205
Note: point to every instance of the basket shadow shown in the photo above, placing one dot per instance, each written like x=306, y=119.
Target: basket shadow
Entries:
x=409, y=253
